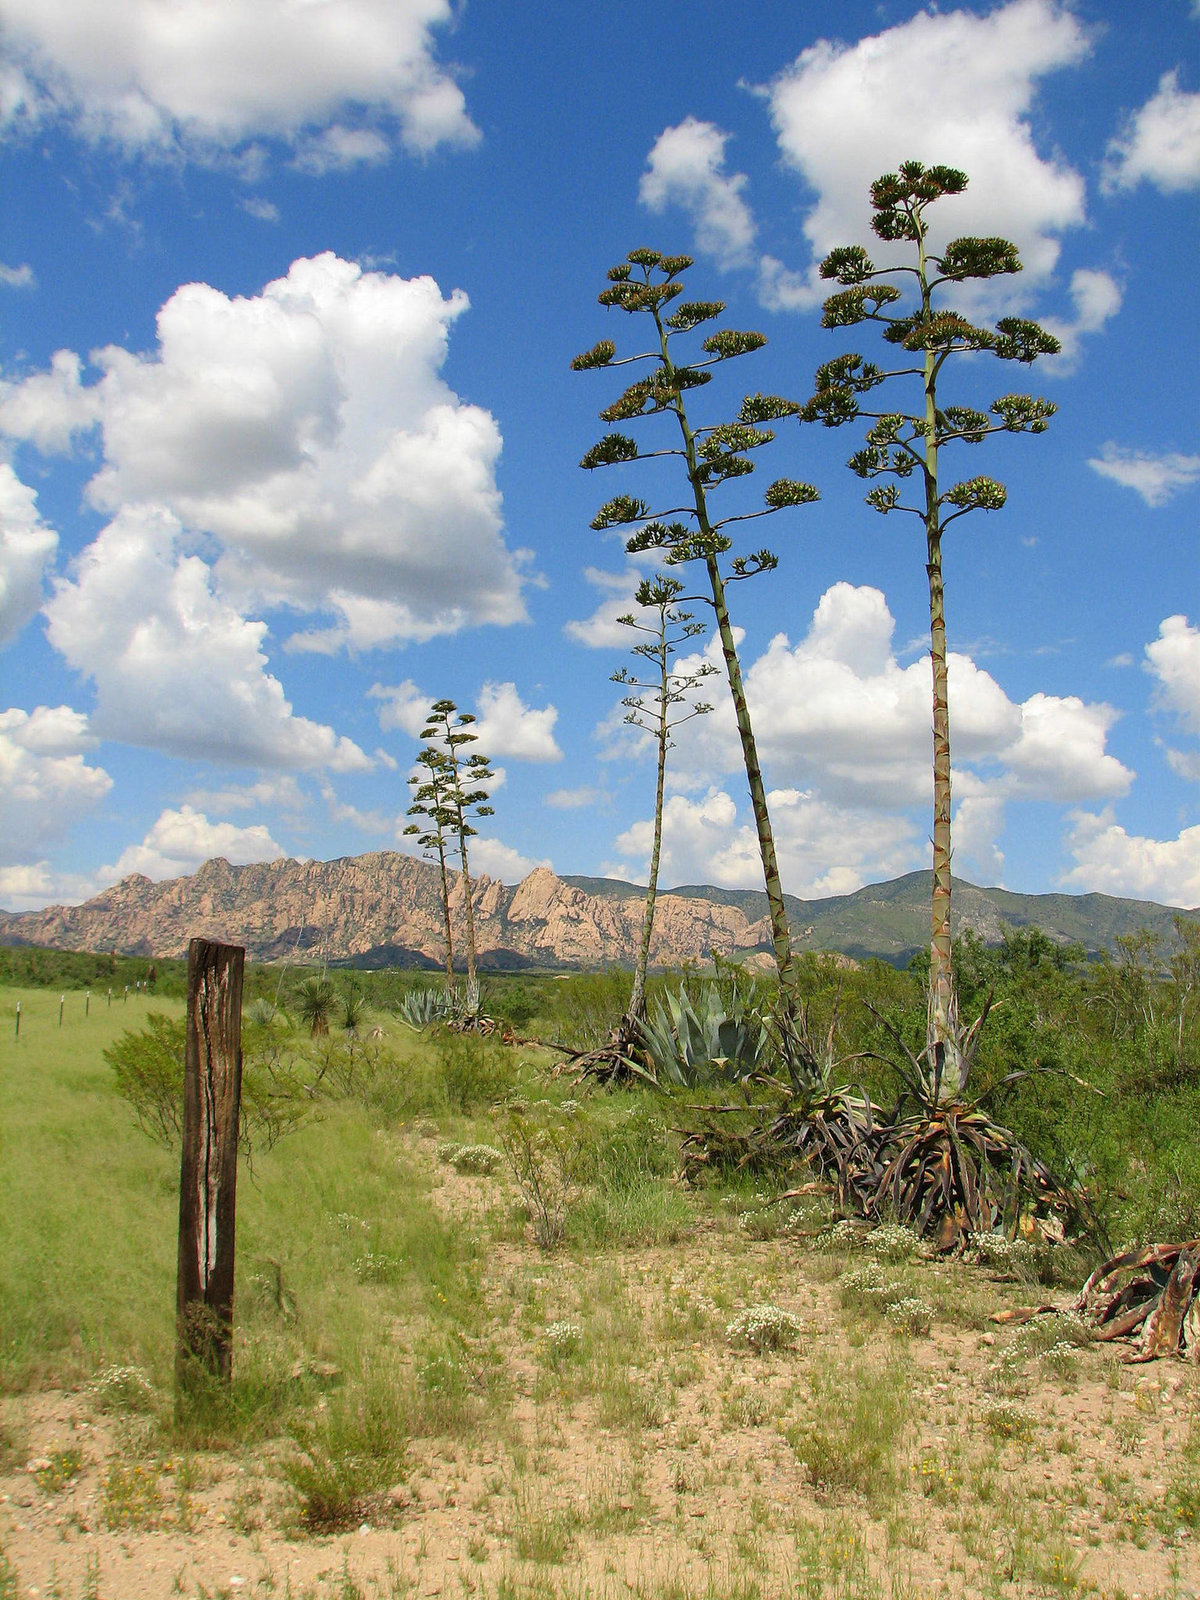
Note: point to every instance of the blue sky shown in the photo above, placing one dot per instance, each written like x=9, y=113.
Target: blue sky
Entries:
x=289, y=441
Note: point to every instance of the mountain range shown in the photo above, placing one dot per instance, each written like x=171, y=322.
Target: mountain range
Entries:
x=384, y=909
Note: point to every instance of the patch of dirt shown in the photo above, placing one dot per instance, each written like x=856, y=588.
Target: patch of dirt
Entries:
x=654, y=1459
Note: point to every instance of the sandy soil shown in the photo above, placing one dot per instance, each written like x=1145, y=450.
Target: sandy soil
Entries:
x=682, y=1481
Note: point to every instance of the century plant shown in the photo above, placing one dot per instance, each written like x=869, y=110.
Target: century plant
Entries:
x=649, y=707
x=449, y=729
x=431, y=790
x=902, y=445
x=713, y=453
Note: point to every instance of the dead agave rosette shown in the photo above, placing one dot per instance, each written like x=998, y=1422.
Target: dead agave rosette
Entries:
x=1149, y=1292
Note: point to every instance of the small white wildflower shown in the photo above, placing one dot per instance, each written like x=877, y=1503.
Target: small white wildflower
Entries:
x=764, y=1327
x=890, y=1242
x=373, y=1266
x=563, y=1338
x=122, y=1389
x=345, y=1223
x=843, y=1235
x=476, y=1158
x=911, y=1314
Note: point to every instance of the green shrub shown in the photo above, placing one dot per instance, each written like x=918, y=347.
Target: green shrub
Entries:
x=851, y=1429
x=348, y=1453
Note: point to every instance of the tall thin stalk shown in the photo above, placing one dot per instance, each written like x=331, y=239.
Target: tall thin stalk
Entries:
x=901, y=443
x=712, y=453
x=430, y=801
x=649, y=708
x=449, y=728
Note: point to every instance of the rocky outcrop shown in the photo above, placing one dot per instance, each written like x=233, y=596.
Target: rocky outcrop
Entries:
x=385, y=905
x=385, y=910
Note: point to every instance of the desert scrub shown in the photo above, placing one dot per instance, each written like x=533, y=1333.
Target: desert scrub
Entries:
x=119, y=1388
x=563, y=1341
x=476, y=1073
x=479, y=1159
x=851, y=1427
x=841, y=1238
x=892, y=1242
x=130, y=1495
x=376, y=1266
x=867, y=1288
x=746, y=1407
x=54, y=1471
x=1005, y=1419
x=910, y=1315
x=764, y=1327
x=545, y=1157
x=349, y=1453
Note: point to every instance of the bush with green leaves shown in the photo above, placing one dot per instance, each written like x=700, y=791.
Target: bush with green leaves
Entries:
x=348, y=1453
x=148, y=1072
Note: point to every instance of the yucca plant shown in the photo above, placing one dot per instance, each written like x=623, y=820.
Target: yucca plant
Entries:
x=1152, y=1292
x=421, y=1007
x=315, y=1000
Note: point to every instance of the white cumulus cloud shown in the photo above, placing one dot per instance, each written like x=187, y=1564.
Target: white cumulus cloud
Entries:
x=403, y=706
x=497, y=860
x=308, y=431
x=46, y=786
x=1097, y=298
x=27, y=546
x=1174, y=660
x=839, y=711
x=1160, y=143
x=1110, y=861
x=187, y=75
x=508, y=727
x=840, y=721
x=580, y=799
x=182, y=840
x=686, y=168
x=1156, y=477
x=176, y=668
x=823, y=848
x=504, y=725
x=945, y=86
x=953, y=87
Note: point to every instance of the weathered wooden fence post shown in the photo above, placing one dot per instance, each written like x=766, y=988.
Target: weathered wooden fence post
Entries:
x=212, y=1092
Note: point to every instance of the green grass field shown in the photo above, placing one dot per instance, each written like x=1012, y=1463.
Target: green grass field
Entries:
x=555, y=1419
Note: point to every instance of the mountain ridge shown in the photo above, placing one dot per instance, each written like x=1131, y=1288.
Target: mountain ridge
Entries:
x=384, y=909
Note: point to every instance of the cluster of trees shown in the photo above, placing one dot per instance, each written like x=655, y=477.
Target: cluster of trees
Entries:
x=914, y=306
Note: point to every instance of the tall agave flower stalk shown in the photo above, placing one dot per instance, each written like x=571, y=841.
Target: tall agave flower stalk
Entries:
x=650, y=707
x=431, y=789
x=463, y=777
x=713, y=453
x=901, y=445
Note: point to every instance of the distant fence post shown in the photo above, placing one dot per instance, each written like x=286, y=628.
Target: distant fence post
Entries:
x=208, y=1169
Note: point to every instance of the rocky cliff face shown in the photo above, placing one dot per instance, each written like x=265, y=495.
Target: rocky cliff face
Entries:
x=383, y=902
